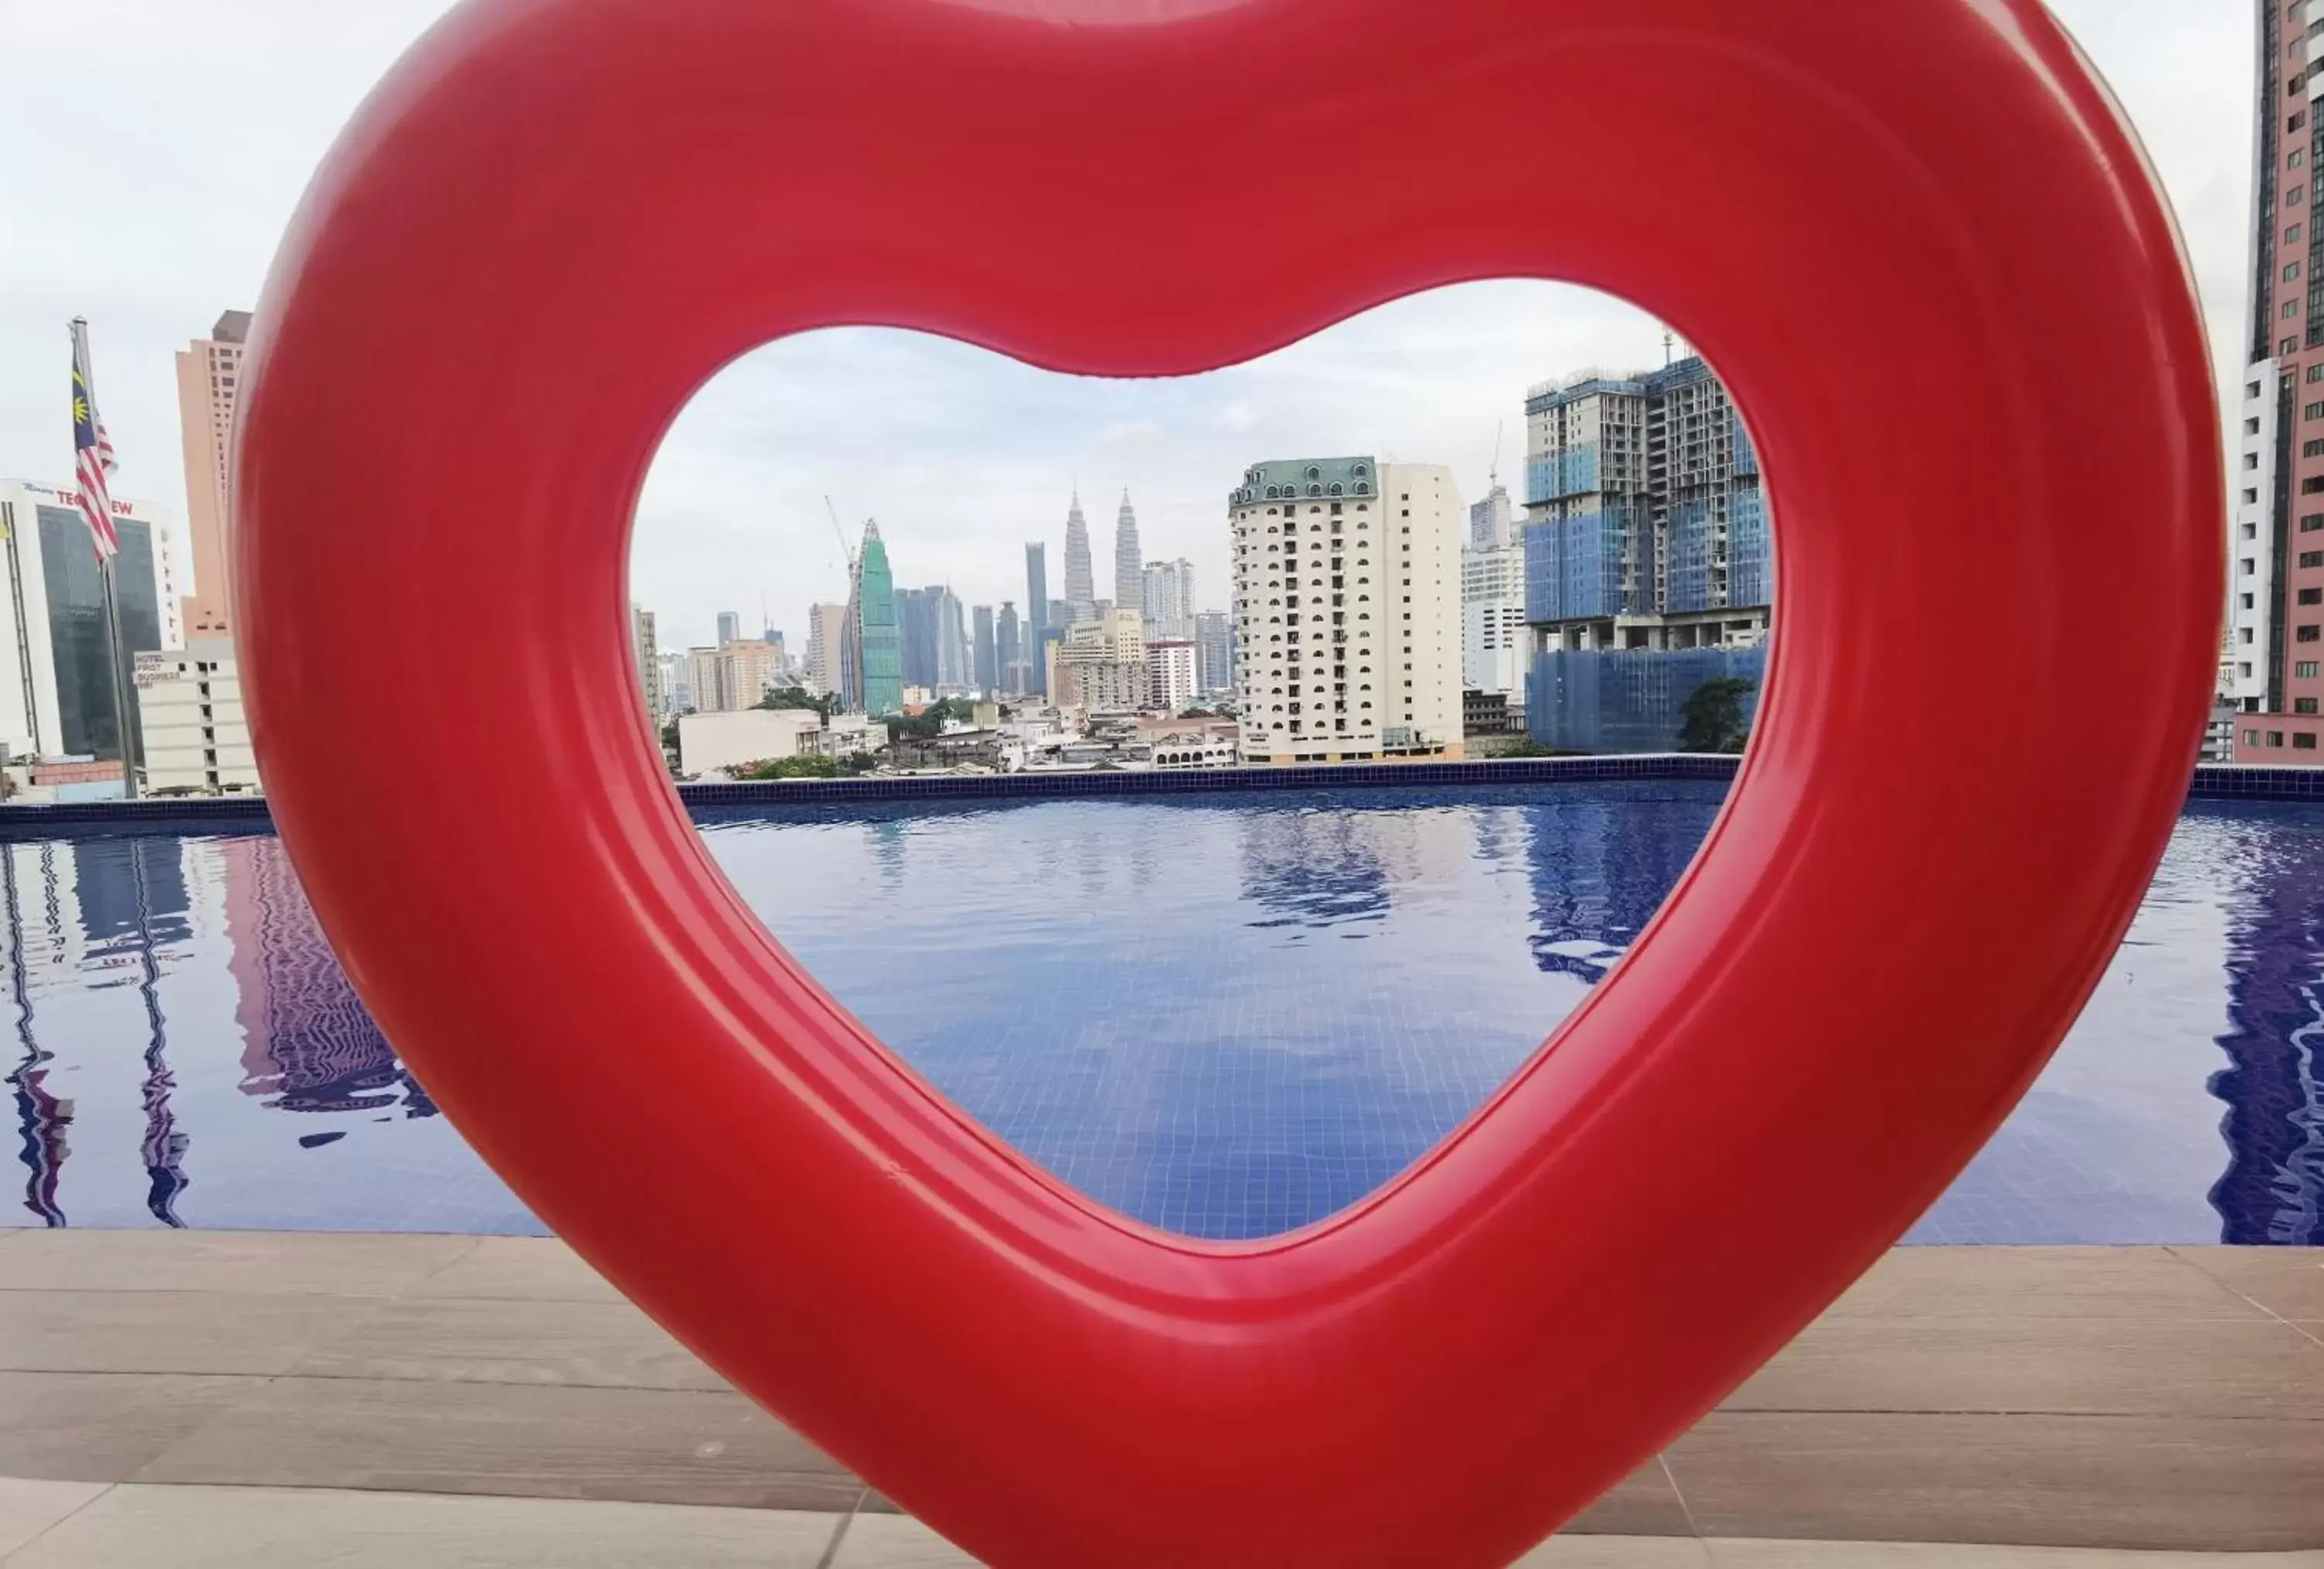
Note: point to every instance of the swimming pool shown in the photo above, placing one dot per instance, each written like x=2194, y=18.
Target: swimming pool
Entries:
x=1226, y=1015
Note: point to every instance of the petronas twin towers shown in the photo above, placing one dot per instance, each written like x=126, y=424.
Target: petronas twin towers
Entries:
x=1129, y=565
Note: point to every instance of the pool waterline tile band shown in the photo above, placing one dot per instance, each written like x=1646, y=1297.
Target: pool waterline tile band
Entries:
x=2209, y=782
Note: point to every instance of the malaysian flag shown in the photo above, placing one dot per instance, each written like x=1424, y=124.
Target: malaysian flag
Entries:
x=92, y=453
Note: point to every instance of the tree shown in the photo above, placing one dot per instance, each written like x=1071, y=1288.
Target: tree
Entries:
x=1713, y=716
x=804, y=767
x=929, y=723
x=799, y=697
x=669, y=732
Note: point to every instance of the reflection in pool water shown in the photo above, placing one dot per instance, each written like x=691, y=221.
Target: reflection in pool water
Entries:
x=1226, y=1015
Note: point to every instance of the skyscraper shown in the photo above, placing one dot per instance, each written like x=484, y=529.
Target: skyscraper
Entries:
x=1168, y=599
x=2276, y=573
x=1036, y=613
x=730, y=628
x=882, y=679
x=915, y=636
x=1081, y=584
x=1214, y=652
x=826, y=635
x=955, y=669
x=1647, y=554
x=988, y=655
x=209, y=376
x=1009, y=646
x=1129, y=567
x=1493, y=633
x=1348, y=611
x=641, y=633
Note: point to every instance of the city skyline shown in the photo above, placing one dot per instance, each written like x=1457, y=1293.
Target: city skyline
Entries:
x=963, y=456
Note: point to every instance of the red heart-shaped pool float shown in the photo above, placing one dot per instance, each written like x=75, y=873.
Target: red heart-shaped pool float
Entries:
x=1916, y=237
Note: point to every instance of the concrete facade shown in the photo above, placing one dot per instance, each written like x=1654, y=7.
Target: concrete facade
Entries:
x=197, y=737
x=209, y=377
x=827, y=631
x=1494, y=637
x=710, y=743
x=1167, y=595
x=1101, y=666
x=2275, y=661
x=1347, y=609
x=1645, y=521
x=1170, y=675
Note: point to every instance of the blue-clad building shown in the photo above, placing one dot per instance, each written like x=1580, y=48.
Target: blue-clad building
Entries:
x=1646, y=536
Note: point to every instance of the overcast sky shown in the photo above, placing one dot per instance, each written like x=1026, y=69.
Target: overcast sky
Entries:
x=151, y=151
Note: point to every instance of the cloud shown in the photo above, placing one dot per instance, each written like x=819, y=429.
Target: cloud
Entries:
x=194, y=127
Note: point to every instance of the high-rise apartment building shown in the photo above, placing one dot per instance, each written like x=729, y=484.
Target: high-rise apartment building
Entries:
x=648, y=658
x=677, y=682
x=826, y=635
x=1009, y=649
x=730, y=628
x=1101, y=665
x=750, y=667
x=1170, y=678
x=1167, y=593
x=2275, y=575
x=1036, y=616
x=1214, y=652
x=1081, y=580
x=1645, y=524
x=209, y=378
x=988, y=654
x=1347, y=610
x=1129, y=565
x=710, y=681
x=1646, y=550
x=1494, y=637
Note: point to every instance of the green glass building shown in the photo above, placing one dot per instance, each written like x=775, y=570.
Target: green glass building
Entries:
x=882, y=664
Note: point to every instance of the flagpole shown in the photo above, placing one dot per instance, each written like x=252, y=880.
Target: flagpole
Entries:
x=96, y=502
x=123, y=697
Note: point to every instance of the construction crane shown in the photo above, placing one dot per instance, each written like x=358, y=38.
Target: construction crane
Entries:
x=854, y=562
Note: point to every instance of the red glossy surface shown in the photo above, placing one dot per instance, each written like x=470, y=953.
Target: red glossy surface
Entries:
x=1916, y=237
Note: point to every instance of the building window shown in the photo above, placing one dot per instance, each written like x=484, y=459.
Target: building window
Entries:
x=2305, y=669
x=2310, y=633
x=2251, y=737
x=2275, y=738
x=2291, y=308
x=2311, y=596
x=2304, y=742
x=2303, y=705
x=2292, y=272
x=2249, y=566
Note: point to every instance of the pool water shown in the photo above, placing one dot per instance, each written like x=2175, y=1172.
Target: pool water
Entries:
x=1226, y=1015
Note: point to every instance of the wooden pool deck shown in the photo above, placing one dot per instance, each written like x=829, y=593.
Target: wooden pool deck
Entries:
x=408, y=1394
